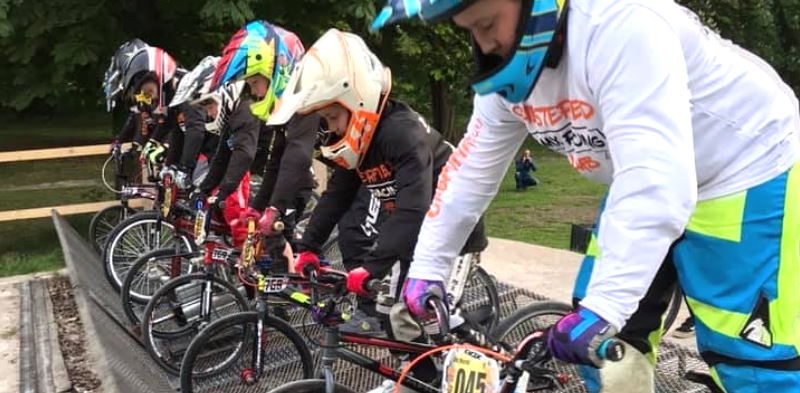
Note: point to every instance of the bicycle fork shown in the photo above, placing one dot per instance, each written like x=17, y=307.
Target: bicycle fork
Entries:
x=252, y=375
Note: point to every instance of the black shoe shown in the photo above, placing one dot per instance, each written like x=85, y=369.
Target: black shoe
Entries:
x=685, y=330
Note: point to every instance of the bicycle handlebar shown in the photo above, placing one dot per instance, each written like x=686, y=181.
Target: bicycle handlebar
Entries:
x=611, y=349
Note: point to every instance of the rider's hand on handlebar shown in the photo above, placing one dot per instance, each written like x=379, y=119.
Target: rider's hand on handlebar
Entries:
x=217, y=201
x=266, y=222
x=357, y=280
x=154, y=152
x=576, y=337
x=307, y=258
x=416, y=293
x=246, y=215
x=166, y=171
x=183, y=177
x=198, y=195
x=115, y=147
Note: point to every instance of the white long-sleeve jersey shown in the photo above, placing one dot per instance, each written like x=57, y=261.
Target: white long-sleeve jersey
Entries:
x=644, y=99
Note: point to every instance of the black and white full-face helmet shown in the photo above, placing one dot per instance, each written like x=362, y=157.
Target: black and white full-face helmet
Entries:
x=229, y=96
x=154, y=65
x=113, y=78
x=195, y=88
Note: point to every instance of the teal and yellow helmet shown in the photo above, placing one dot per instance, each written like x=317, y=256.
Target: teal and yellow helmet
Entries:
x=260, y=48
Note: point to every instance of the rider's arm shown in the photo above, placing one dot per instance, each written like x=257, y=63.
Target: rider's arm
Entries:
x=466, y=185
x=193, y=136
x=218, y=164
x=334, y=202
x=288, y=172
x=176, y=141
x=644, y=100
x=128, y=131
x=163, y=127
x=402, y=143
x=244, y=129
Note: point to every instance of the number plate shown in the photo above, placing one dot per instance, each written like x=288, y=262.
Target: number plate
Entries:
x=274, y=284
x=221, y=254
x=165, y=207
x=200, y=226
x=467, y=371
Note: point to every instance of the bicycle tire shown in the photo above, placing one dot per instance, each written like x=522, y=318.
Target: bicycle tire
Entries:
x=134, y=299
x=125, y=245
x=165, y=346
x=289, y=358
x=310, y=386
x=104, y=222
x=534, y=317
x=674, y=307
x=480, y=296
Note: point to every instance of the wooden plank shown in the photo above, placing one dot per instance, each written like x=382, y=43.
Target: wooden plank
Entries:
x=60, y=152
x=40, y=212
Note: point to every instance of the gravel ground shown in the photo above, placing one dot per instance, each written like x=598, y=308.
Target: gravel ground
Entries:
x=71, y=336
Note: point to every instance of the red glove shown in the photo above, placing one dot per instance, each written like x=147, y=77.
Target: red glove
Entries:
x=305, y=258
x=356, y=279
x=247, y=214
x=267, y=222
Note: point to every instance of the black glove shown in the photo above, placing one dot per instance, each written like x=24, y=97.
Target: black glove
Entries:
x=217, y=201
x=183, y=177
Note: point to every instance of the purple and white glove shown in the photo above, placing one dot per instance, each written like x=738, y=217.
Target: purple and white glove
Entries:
x=577, y=336
x=415, y=294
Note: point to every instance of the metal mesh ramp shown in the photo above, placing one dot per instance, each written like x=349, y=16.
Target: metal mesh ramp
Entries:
x=124, y=364
x=130, y=369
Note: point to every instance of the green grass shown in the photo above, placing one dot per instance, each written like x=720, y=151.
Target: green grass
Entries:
x=32, y=173
x=29, y=246
x=542, y=215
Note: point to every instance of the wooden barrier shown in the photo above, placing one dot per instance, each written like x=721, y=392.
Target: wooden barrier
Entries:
x=60, y=152
x=64, y=210
x=81, y=208
x=47, y=154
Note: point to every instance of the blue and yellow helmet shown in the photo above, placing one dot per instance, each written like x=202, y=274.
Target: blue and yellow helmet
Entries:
x=512, y=78
x=260, y=48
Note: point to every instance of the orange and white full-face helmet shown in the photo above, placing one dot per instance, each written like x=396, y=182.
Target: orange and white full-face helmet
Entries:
x=339, y=68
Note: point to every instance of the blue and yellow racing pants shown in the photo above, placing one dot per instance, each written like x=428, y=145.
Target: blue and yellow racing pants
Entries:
x=738, y=263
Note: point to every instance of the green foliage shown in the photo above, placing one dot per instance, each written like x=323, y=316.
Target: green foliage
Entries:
x=54, y=52
x=768, y=28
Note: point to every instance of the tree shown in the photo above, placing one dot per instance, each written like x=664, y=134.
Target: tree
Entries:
x=54, y=52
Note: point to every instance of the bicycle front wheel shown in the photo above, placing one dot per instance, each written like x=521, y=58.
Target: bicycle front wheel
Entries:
x=134, y=237
x=534, y=317
x=182, y=308
x=230, y=356
x=480, y=301
x=674, y=307
x=103, y=222
x=149, y=273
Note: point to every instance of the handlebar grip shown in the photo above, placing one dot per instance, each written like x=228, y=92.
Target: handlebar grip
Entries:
x=436, y=304
x=251, y=226
x=611, y=349
x=308, y=268
x=373, y=285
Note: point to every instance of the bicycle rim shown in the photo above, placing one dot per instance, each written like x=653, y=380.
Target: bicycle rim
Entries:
x=172, y=317
x=131, y=239
x=149, y=273
x=223, y=355
x=534, y=317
